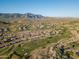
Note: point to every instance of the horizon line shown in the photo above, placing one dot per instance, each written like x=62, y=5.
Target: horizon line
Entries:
x=41, y=14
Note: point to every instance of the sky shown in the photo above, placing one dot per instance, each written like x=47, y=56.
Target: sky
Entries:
x=55, y=8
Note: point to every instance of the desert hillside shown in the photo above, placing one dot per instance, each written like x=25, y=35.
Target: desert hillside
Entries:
x=48, y=38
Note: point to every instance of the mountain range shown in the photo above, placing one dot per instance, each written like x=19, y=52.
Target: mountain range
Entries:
x=16, y=16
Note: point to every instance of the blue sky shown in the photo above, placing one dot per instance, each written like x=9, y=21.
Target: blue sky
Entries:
x=56, y=8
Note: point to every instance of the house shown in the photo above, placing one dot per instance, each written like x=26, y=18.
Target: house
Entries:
x=22, y=28
x=6, y=29
x=77, y=53
x=1, y=30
